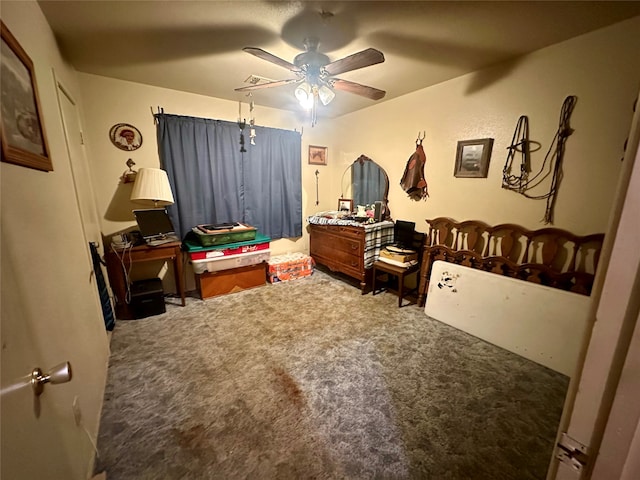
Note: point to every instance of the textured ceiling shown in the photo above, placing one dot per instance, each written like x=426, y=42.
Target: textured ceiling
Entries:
x=196, y=46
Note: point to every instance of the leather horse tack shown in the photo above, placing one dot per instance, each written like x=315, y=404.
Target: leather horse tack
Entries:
x=413, y=181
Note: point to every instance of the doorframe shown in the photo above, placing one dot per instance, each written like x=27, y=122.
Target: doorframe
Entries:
x=593, y=390
x=62, y=89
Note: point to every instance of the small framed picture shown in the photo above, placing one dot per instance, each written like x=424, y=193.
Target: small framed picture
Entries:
x=317, y=155
x=345, y=205
x=23, y=137
x=472, y=158
x=125, y=136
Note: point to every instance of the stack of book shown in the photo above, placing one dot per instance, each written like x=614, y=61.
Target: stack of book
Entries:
x=398, y=256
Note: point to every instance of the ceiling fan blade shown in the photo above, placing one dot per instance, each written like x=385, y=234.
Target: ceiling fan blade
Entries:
x=357, y=88
x=259, y=86
x=264, y=55
x=367, y=57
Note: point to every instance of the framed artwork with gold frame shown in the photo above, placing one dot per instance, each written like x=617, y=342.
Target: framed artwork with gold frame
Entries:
x=317, y=155
x=24, y=141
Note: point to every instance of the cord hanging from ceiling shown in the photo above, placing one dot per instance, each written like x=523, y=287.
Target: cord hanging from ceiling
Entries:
x=242, y=123
x=252, y=120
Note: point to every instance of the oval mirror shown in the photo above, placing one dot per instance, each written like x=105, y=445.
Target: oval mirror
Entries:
x=369, y=184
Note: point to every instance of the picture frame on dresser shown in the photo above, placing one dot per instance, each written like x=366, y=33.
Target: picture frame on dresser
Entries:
x=24, y=141
x=345, y=205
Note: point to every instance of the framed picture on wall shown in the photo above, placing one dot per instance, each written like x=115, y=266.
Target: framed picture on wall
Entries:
x=317, y=155
x=23, y=137
x=125, y=136
x=472, y=158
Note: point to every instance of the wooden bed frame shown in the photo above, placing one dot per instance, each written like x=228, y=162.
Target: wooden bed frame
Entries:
x=549, y=256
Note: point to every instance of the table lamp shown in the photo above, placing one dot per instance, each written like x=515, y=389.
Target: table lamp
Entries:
x=152, y=187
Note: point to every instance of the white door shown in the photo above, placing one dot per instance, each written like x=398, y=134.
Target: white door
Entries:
x=50, y=314
x=612, y=347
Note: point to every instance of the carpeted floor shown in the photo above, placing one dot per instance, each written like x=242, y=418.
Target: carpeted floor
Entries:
x=311, y=380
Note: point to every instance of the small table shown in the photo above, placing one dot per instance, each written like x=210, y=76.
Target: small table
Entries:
x=141, y=253
x=397, y=271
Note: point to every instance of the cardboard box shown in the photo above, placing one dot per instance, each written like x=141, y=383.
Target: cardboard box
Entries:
x=283, y=268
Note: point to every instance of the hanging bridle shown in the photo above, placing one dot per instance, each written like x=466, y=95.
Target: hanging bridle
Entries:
x=520, y=143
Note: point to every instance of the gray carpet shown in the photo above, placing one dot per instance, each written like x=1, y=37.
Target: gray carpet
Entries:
x=311, y=380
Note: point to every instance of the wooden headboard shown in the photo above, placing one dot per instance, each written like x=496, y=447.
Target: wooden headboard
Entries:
x=549, y=256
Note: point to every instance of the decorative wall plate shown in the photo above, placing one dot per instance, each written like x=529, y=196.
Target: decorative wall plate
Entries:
x=125, y=136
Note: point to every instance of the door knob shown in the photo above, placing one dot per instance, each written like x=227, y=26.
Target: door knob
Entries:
x=59, y=374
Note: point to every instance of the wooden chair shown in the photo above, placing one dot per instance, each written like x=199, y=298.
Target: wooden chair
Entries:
x=398, y=272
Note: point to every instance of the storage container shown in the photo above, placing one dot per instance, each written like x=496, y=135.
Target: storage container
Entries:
x=238, y=233
x=230, y=261
x=232, y=280
x=198, y=252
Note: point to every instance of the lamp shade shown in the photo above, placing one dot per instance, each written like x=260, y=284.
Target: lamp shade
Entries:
x=152, y=187
x=304, y=94
x=326, y=95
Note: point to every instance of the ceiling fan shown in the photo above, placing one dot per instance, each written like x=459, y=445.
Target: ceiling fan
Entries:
x=315, y=74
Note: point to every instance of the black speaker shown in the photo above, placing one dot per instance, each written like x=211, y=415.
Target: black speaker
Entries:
x=377, y=212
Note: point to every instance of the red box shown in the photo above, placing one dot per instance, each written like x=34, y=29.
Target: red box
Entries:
x=291, y=266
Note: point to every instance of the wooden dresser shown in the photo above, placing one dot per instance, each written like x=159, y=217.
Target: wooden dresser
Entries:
x=349, y=249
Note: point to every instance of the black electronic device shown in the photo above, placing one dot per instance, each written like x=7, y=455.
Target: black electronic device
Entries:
x=155, y=226
x=404, y=233
x=147, y=298
x=377, y=211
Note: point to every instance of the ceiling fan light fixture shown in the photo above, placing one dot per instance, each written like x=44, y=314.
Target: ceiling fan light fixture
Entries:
x=304, y=94
x=326, y=95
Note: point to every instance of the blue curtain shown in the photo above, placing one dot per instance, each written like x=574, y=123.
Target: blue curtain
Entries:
x=213, y=182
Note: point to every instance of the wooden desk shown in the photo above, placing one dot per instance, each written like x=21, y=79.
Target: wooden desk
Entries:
x=142, y=253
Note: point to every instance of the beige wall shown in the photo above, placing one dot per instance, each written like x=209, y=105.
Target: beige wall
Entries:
x=108, y=101
x=50, y=307
x=601, y=68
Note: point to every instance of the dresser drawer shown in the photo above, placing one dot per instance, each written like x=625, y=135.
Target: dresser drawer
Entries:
x=355, y=233
x=346, y=245
x=338, y=258
x=334, y=243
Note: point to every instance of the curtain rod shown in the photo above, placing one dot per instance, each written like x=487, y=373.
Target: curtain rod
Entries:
x=161, y=112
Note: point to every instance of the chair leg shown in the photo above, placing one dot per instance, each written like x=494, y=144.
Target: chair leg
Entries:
x=373, y=282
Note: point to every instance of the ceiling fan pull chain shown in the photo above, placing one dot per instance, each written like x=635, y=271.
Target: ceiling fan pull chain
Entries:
x=242, y=123
x=252, y=121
